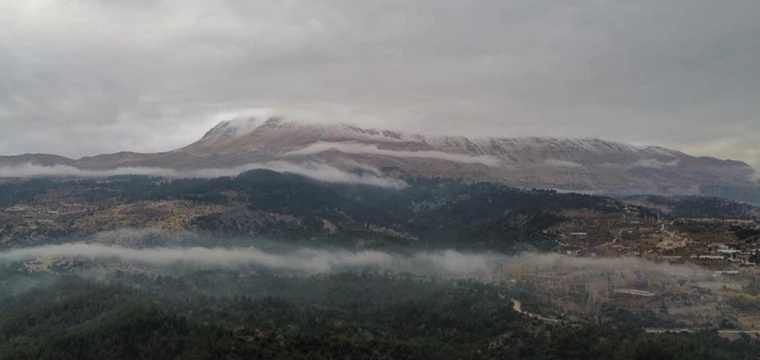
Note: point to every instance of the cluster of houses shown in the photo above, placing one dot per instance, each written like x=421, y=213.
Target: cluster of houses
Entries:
x=708, y=242
x=40, y=217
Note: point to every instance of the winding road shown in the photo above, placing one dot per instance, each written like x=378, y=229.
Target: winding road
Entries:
x=517, y=306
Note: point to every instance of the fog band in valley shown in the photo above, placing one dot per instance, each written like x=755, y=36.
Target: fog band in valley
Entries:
x=303, y=260
x=448, y=263
x=354, y=148
x=316, y=171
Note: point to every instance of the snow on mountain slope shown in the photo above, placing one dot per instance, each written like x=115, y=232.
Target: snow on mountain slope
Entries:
x=233, y=128
x=530, y=161
x=578, y=164
x=279, y=137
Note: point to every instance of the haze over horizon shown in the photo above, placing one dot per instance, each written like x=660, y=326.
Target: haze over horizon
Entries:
x=80, y=77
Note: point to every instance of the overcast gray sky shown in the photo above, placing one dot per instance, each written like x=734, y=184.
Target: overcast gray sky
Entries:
x=79, y=77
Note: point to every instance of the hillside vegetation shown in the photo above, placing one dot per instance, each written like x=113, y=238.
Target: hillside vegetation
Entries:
x=439, y=213
x=216, y=315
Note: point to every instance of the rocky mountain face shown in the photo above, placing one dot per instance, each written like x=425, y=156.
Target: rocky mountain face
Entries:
x=592, y=165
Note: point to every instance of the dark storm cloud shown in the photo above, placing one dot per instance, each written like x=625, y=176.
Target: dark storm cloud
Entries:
x=83, y=76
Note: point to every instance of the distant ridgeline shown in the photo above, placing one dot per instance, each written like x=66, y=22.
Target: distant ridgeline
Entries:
x=697, y=207
x=749, y=195
x=428, y=213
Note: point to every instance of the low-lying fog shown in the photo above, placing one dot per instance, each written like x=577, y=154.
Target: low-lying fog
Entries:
x=445, y=263
x=313, y=170
x=309, y=261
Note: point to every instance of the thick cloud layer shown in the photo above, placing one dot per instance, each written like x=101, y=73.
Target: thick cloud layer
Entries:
x=80, y=77
x=315, y=171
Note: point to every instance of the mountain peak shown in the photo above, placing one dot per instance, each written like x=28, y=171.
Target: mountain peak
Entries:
x=238, y=126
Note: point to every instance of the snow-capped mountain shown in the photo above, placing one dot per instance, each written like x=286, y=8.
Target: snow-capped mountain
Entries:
x=281, y=137
x=577, y=164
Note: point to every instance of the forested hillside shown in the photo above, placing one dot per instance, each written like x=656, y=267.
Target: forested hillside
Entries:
x=438, y=213
x=254, y=288
x=216, y=315
x=696, y=207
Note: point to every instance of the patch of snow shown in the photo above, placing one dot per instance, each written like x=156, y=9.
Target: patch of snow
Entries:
x=235, y=127
x=660, y=150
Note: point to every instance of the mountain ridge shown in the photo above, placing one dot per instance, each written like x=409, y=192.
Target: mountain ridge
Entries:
x=584, y=164
x=374, y=134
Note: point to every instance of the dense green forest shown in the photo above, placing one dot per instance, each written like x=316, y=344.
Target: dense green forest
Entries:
x=228, y=315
